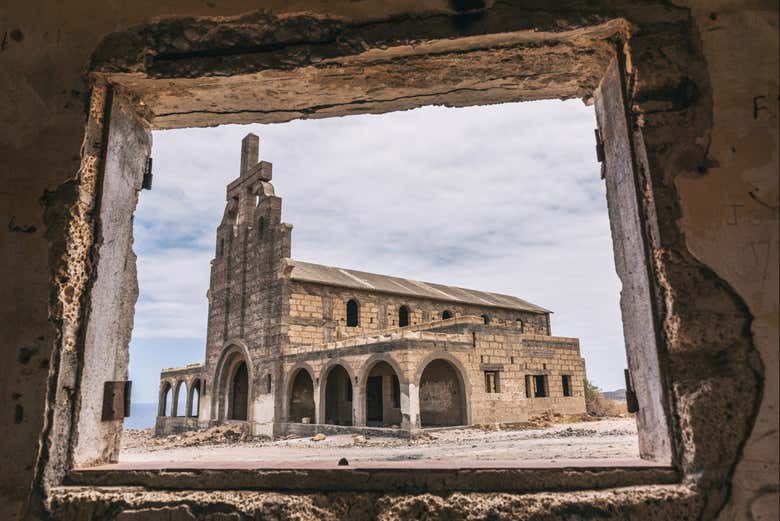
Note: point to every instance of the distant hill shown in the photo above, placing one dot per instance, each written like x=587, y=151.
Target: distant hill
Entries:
x=618, y=396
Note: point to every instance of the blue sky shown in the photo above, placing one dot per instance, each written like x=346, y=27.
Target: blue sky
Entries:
x=504, y=198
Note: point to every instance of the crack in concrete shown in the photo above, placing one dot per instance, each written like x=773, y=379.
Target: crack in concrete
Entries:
x=317, y=108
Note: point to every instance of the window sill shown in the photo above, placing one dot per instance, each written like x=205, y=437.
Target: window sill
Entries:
x=402, y=476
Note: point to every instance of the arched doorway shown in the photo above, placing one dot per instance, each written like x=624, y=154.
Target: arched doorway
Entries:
x=338, y=397
x=383, y=396
x=301, y=398
x=232, y=391
x=442, y=396
x=239, y=393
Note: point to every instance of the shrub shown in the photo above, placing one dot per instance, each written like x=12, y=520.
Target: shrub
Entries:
x=597, y=405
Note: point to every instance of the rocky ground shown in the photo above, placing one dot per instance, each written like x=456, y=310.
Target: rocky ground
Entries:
x=547, y=439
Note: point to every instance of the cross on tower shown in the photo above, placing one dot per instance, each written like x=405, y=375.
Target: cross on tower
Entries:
x=253, y=180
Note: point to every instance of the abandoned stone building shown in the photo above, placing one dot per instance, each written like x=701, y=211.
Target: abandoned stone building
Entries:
x=686, y=95
x=292, y=345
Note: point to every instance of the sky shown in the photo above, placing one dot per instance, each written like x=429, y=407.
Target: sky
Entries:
x=505, y=198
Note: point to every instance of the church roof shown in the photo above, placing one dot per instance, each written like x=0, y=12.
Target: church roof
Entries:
x=331, y=276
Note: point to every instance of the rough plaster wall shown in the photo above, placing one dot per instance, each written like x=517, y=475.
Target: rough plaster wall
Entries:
x=658, y=502
x=115, y=287
x=730, y=213
x=44, y=101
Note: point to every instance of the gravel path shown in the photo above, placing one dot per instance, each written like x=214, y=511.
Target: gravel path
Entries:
x=614, y=438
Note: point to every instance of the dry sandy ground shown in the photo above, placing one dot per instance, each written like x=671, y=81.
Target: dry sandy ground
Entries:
x=614, y=438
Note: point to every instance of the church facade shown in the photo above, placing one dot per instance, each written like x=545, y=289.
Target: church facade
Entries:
x=296, y=347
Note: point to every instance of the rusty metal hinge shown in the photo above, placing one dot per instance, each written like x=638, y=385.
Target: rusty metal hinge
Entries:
x=600, y=154
x=116, y=400
x=146, y=184
x=632, y=403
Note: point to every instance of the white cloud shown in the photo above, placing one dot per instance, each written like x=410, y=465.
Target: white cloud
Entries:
x=503, y=198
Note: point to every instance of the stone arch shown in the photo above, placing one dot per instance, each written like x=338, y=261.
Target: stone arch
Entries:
x=163, y=409
x=337, y=382
x=380, y=394
x=372, y=360
x=299, y=398
x=233, y=355
x=179, y=400
x=449, y=378
x=446, y=314
x=193, y=400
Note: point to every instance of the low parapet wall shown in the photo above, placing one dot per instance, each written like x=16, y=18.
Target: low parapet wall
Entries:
x=167, y=425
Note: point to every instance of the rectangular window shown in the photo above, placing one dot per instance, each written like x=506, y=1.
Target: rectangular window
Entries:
x=491, y=382
x=566, y=382
x=540, y=386
x=441, y=398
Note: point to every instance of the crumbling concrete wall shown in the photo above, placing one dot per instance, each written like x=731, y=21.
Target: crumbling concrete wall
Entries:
x=711, y=132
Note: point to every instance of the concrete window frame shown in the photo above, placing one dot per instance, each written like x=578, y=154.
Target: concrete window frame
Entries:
x=129, y=99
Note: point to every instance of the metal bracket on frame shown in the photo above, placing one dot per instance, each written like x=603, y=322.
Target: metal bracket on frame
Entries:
x=116, y=400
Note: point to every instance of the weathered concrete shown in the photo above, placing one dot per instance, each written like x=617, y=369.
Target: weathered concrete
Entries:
x=703, y=100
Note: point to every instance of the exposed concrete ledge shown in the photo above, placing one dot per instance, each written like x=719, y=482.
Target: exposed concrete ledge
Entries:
x=409, y=477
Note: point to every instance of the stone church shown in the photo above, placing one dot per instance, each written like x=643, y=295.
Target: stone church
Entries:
x=296, y=347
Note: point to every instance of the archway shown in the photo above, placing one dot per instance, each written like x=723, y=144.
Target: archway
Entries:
x=239, y=393
x=180, y=399
x=446, y=314
x=338, y=397
x=442, y=395
x=382, y=396
x=301, y=398
x=193, y=405
x=232, y=383
x=165, y=406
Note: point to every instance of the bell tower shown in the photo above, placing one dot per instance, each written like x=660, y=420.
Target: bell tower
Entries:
x=245, y=292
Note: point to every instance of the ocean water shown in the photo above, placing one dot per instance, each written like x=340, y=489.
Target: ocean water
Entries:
x=142, y=416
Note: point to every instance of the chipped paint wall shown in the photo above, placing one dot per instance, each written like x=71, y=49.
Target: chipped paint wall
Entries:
x=727, y=220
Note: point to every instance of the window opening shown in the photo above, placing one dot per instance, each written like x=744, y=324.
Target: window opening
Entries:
x=566, y=383
x=445, y=392
x=491, y=382
x=540, y=386
x=353, y=314
x=403, y=316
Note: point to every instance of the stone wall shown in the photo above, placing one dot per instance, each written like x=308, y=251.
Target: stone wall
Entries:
x=318, y=313
x=465, y=350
